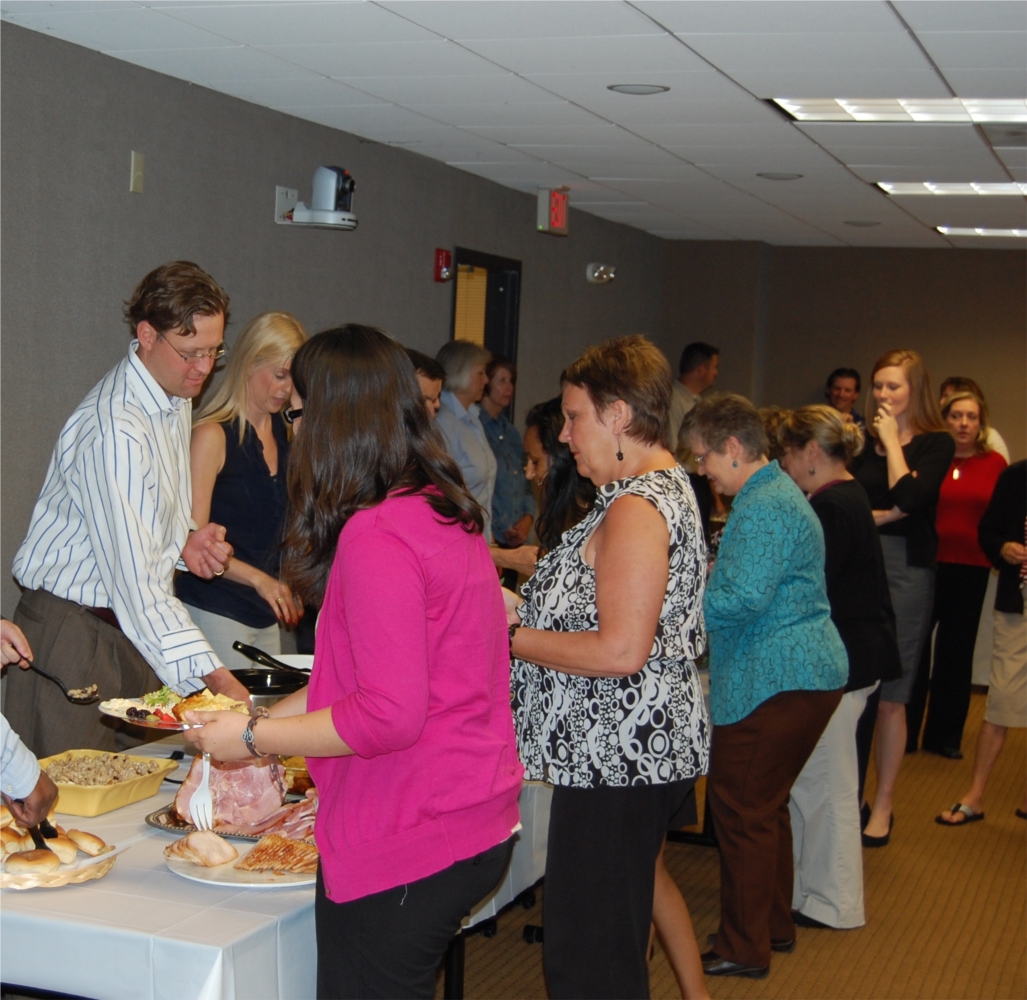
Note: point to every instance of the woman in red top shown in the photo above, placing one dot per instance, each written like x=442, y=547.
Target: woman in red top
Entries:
x=961, y=581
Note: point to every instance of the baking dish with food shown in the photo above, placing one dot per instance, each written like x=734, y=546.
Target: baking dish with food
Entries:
x=93, y=800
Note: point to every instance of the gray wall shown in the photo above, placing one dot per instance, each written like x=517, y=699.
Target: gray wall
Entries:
x=75, y=241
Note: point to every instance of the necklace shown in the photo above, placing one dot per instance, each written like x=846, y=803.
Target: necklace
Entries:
x=955, y=471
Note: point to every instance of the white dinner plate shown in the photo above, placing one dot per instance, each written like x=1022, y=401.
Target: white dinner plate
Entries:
x=227, y=874
x=121, y=712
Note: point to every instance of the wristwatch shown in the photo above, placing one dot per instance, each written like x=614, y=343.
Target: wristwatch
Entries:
x=247, y=733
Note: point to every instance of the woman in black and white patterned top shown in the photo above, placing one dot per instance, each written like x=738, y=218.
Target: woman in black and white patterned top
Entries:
x=607, y=703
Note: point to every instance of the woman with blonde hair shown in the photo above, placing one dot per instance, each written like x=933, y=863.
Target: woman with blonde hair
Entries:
x=239, y=456
x=961, y=581
x=902, y=469
x=817, y=443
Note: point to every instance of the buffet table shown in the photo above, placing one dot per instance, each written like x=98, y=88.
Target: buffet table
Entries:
x=143, y=932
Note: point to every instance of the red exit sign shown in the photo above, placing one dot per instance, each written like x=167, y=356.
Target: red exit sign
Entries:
x=552, y=212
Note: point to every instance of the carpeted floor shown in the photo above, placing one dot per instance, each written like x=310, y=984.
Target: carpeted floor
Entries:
x=946, y=908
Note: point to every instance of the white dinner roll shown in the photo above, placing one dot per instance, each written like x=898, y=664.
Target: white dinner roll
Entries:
x=10, y=841
x=37, y=862
x=88, y=843
x=6, y=819
x=64, y=848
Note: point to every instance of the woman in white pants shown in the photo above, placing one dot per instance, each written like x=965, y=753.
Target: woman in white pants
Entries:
x=824, y=806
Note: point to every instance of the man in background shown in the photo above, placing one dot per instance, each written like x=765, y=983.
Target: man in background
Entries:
x=430, y=376
x=843, y=385
x=112, y=524
x=698, y=371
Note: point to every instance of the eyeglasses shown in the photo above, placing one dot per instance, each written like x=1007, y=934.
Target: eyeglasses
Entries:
x=292, y=415
x=701, y=459
x=195, y=357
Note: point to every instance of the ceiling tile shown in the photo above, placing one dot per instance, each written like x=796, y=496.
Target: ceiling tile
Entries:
x=525, y=176
x=307, y=90
x=208, y=67
x=638, y=154
x=783, y=16
x=597, y=134
x=612, y=56
x=381, y=122
x=769, y=133
x=299, y=23
x=978, y=49
x=552, y=113
x=438, y=88
x=841, y=82
x=948, y=172
x=590, y=91
x=382, y=59
x=14, y=9
x=832, y=135
x=963, y=15
x=115, y=29
x=971, y=164
x=755, y=159
x=524, y=18
x=987, y=82
x=991, y=213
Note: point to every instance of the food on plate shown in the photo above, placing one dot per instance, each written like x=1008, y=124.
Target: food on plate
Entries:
x=275, y=853
x=242, y=792
x=297, y=777
x=64, y=848
x=102, y=769
x=202, y=847
x=37, y=862
x=207, y=701
x=87, y=843
x=137, y=710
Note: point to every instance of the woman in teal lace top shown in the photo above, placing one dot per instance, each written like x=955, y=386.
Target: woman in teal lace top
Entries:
x=777, y=669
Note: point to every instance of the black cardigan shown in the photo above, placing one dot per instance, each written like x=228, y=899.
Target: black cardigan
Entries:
x=1003, y=522
x=928, y=457
x=857, y=587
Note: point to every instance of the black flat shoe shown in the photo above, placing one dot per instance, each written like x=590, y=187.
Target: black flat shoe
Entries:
x=714, y=965
x=784, y=946
x=864, y=815
x=801, y=920
x=869, y=841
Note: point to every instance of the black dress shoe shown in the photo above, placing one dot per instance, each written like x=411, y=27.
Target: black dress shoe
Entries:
x=949, y=753
x=869, y=841
x=714, y=965
x=784, y=946
x=864, y=815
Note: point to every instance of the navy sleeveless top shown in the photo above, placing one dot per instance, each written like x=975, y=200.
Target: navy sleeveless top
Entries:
x=251, y=504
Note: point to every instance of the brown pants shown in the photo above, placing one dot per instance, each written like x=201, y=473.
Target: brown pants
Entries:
x=753, y=765
x=73, y=644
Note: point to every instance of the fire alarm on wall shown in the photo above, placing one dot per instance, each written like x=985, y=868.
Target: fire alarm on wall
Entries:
x=443, y=265
x=552, y=211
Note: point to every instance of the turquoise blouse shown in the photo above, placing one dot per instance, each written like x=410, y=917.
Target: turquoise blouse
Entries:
x=766, y=609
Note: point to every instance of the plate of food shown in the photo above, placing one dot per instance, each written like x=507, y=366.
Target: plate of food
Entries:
x=204, y=856
x=165, y=709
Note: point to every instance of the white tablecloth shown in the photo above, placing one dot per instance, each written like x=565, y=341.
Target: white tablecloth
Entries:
x=143, y=932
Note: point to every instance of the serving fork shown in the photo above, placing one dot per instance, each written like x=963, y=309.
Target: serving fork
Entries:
x=201, y=806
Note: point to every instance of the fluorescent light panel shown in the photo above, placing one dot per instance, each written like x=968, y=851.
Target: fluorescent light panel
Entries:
x=901, y=109
x=958, y=231
x=971, y=188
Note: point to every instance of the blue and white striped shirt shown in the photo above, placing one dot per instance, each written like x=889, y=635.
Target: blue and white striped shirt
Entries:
x=109, y=527
x=19, y=769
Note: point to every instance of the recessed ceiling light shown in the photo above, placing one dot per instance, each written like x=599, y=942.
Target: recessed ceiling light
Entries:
x=861, y=223
x=638, y=89
x=903, y=109
x=958, y=231
x=971, y=188
x=772, y=176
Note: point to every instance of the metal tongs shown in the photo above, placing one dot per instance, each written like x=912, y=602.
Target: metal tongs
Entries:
x=266, y=659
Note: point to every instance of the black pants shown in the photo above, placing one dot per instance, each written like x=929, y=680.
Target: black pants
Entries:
x=390, y=944
x=600, y=871
x=958, y=600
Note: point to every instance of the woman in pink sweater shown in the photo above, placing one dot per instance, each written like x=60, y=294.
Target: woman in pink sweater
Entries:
x=406, y=724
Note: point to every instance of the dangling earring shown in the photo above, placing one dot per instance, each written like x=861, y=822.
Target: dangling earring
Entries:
x=734, y=465
x=620, y=454
x=812, y=472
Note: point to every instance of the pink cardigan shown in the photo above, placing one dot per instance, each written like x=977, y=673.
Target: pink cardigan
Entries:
x=412, y=655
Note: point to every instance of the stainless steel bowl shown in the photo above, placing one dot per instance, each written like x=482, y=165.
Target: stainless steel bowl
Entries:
x=266, y=687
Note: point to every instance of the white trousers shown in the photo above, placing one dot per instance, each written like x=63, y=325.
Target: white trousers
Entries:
x=824, y=808
x=221, y=632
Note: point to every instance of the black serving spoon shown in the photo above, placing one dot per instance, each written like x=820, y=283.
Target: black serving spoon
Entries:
x=78, y=696
x=265, y=659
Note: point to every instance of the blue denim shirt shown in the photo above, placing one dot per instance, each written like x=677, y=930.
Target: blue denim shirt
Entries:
x=766, y=606
x=512, y=498
x=469, y=448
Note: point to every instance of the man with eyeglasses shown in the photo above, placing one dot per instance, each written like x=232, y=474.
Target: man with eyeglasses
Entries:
x=112, y=524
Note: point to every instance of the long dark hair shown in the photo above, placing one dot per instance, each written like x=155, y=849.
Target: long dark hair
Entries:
x=567, y=496
x=365, y=433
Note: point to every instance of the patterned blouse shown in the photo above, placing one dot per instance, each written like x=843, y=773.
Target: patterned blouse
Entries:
x=649, y=728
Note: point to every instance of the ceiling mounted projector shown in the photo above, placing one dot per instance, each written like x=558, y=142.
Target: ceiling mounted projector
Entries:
x=331, y=202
